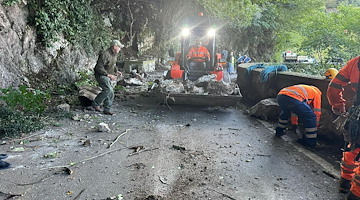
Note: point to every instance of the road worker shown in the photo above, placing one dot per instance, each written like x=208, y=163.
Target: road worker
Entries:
x=348, y=75
x=305, y=102
x=198, y=56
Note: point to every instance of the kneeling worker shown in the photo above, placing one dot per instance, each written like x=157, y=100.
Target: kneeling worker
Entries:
x=305, y=102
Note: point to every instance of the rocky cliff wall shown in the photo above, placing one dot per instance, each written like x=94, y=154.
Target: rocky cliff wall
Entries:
x=22, y=59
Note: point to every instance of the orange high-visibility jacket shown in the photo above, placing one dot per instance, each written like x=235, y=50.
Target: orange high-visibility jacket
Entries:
x=349, y=74
x=201, y=52
x=305, y=93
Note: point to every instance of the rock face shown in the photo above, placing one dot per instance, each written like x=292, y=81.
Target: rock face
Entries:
x=21, y=58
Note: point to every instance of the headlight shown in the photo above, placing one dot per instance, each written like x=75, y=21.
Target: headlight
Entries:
x=185, y=32
x=211, y=32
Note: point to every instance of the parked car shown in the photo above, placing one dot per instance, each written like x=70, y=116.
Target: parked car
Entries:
x=335, y=61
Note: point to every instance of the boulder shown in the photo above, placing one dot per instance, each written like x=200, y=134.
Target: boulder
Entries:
x=267, y=109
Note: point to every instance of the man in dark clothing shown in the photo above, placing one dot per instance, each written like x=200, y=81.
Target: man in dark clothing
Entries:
x=105, y=72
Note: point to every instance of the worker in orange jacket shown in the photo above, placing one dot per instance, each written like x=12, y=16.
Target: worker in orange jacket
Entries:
x=305, y=102
x=198, y=56
x=349, y=74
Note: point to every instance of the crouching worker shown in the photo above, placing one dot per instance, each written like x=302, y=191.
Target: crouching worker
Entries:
x=305, y=102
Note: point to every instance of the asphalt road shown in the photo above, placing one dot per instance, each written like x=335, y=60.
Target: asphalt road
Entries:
x=164, y=152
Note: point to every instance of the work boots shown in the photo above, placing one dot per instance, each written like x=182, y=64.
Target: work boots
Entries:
x=279, y=132
x=344, y=185
x=351, y=196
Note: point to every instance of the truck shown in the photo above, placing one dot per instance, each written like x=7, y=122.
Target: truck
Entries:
x=289, y=56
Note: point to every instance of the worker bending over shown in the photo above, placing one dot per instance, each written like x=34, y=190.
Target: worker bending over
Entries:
x=305, y=102
x=350, y=171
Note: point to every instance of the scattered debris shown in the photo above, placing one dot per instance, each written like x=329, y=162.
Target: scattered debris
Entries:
x=63, y=170
x=178, y=147
x=77, y=196
x=135, y=153
x=162, y=179
x=18, y=149
x=68, y=171
x=63, y=107
x=137, y=148
x=117, y=197
x=11, y=196
x=225, y=195
x=266, y=109
x=51, y=155
x=113, y=142
x=265, y=155
x=103, y=127
x=83, y=161
x=87, y=94
x=87, y=143
x=137, y=166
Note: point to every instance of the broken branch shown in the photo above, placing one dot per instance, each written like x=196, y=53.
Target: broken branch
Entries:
x=79, y=194
x=225, y=195
x=142, y=151
x=113, y=142
x=10, y=196
x=107, y=152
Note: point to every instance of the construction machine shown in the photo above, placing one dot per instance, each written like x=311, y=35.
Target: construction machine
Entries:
x=185, y=69
x=197, y=28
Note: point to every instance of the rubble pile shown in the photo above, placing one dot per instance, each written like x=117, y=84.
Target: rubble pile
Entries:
x=205, y=85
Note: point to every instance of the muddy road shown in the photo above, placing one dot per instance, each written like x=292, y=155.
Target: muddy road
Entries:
x=155, y=151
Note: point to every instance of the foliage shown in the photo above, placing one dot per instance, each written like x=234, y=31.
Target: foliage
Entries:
x=25, y=99
x=24, y=111
x=10, y=2
x=13, y=122
x=261, y=28
x=239, y=13
x=333, y=35
x=85, y=78
x=119, y=88
x=73, y=19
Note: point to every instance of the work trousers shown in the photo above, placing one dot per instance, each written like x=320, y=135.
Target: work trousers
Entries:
x=355, y=181
x=302, y=110
x=197, y=65
x=348, y=164
x=106, y=96
x=230, y=68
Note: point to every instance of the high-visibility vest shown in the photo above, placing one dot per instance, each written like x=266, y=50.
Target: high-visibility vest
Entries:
x=200, y=52
x=349, y=74
x=305, y=93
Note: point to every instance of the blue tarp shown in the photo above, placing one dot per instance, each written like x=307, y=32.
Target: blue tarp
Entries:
x=264, y=74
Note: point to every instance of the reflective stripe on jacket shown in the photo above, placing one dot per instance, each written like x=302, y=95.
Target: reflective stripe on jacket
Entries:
x=306, y=93
x=349, y=74
x=201, y=52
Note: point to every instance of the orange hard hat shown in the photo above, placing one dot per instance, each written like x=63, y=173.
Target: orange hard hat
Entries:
x=200, y=13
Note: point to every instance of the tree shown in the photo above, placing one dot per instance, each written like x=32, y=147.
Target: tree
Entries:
x=333, y=34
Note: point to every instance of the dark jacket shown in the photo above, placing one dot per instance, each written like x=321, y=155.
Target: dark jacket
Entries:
x=106, y=63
